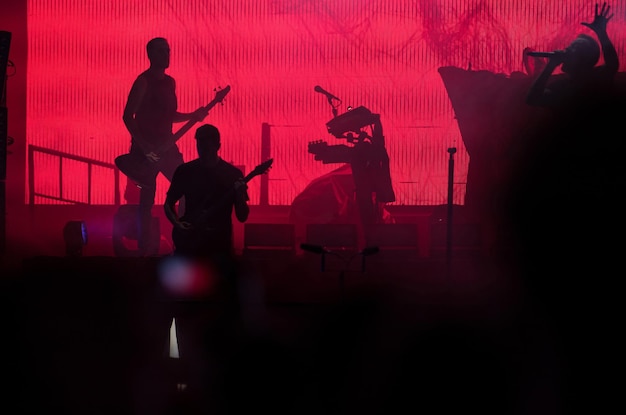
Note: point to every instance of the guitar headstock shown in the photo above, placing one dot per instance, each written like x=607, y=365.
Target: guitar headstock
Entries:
x=220, y=93
x=261, y=168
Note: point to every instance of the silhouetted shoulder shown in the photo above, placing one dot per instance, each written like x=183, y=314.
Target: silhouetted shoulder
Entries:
x=230, y=169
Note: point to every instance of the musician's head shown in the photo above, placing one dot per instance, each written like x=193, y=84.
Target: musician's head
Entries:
x=158, y=50
x=581, y=55
x=207, y=139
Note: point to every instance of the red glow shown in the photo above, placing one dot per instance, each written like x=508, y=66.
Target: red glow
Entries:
x=186, y=278
x=83, y=57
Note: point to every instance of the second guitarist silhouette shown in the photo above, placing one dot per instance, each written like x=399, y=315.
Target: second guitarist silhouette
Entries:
x=149, y=114
x=211, y=188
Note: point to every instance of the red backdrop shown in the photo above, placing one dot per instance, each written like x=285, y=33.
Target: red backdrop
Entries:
x=383, y=54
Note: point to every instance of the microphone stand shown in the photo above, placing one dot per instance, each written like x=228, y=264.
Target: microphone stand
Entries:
x=334, y=108
x=347, y=260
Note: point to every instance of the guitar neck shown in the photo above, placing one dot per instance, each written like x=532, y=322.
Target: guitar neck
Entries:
x=186, y=127
x=183, y=130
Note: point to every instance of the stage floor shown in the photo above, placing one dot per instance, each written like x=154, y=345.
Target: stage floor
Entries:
x=93, y=334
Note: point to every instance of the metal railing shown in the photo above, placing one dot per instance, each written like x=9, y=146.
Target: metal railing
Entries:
x=32, y=149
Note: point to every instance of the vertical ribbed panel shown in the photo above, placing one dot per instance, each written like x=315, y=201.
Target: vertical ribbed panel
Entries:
x=84, y=55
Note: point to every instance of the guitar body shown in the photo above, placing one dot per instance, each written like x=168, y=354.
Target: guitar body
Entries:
x=142, y=171
x=136, y=167
x=139, y=169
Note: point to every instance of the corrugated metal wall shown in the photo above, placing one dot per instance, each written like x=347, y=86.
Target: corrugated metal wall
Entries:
x=84, y=55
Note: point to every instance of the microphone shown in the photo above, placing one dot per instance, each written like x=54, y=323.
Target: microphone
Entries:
x=316, y=249
x=545, y=54
x=328, y=94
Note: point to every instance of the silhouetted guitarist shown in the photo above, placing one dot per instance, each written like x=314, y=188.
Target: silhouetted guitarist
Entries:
x=149, y=114
x=212, y=188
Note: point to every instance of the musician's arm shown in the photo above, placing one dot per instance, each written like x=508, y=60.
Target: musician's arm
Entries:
x=242, y=209
x=197, y=116
x=170, y=210
x=172, y=197
x=135, y=96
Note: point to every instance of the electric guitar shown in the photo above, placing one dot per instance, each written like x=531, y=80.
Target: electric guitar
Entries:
x=137, y=167
x=188, y=240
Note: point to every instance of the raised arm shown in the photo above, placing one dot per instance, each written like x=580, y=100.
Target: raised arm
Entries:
x=598, y=25
x=198, y=115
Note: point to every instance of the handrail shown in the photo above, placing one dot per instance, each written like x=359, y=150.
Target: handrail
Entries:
x=62, y=155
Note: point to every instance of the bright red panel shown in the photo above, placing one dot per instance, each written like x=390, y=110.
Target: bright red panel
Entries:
x=84, y=55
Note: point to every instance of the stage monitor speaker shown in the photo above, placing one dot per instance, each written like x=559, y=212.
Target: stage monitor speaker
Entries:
x=269, y=235
x=395, y=240
x=393, y=235
x=334, y=236
x=269, y=241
